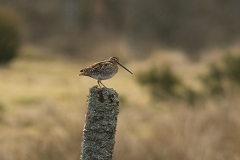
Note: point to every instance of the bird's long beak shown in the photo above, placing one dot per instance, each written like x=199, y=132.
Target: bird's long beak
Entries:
x=124, y=67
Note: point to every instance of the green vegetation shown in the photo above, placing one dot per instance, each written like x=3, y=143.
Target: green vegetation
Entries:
x=212, y=81
x=2, y=110
x=162, y=82
x=226, y=73
x=9, y=35
x=232, y=67
x=165, y=84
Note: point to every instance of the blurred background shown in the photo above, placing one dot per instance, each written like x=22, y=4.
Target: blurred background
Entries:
x=181, y=103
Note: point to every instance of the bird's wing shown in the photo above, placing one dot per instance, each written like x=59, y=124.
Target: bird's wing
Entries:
x=96, y=67
x=100, y=65
x=92, y=67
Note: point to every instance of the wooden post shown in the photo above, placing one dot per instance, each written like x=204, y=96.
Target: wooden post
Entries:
x=100, y=126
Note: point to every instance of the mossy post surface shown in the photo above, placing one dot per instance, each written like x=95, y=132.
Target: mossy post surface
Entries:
x=100, y=126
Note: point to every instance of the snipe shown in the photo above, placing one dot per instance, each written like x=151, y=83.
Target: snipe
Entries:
x=103, y=70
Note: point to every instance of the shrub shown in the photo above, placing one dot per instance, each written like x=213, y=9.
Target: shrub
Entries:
x=163, y=83
x=212, y=81
x=232, y=67
x=2, y=111
x=9, y=34
x=228, y=72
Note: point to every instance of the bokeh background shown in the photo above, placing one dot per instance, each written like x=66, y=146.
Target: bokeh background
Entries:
x=181, y=103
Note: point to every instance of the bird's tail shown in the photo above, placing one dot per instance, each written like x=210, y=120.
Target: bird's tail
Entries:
x=80, y=74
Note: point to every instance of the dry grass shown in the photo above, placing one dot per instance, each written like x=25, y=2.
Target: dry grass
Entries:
x=42, y=109
x=208, y=132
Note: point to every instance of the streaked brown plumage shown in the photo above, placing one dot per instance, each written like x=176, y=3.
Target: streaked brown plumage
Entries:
x=103, y=70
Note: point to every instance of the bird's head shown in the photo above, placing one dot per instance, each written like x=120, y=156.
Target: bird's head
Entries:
x=116, y=60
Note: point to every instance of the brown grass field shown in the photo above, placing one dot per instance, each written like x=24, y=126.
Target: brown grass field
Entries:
x=42, y=109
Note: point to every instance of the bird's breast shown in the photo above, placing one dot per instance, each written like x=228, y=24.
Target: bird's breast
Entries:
x=105, y=73
x=103, y=76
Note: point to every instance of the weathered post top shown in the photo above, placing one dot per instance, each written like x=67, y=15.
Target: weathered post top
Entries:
x=100, y=126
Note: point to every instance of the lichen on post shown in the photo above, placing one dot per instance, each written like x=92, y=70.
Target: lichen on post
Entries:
x=100, y=126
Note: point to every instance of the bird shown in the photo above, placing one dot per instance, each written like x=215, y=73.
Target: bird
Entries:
x=102, y=70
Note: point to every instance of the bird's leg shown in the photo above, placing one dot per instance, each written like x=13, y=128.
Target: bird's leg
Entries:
x=102, y=84
x=99, y=83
